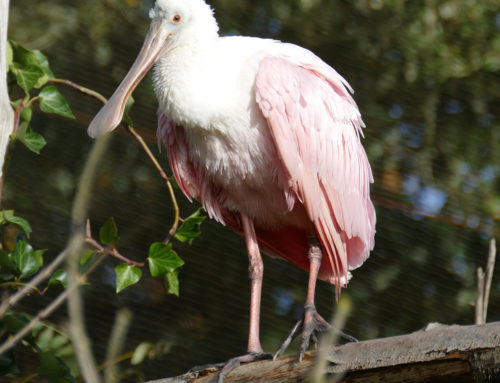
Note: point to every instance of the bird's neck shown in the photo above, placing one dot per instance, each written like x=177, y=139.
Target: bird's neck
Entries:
x=179, y=78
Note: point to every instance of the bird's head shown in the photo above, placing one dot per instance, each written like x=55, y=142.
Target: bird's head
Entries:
x=173, y=23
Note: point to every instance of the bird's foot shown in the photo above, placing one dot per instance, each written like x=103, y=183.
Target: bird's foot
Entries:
x=232, y=363
x=310, y=326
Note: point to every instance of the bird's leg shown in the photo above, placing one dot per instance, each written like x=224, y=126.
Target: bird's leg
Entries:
x=312, y=323
x=256, y=273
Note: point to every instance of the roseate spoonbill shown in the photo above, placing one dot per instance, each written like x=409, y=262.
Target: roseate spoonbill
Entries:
x=267, y=137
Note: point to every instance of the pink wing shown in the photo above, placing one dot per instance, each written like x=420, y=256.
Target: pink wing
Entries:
x=287, y=242
x=190, y=179
x=316, y=126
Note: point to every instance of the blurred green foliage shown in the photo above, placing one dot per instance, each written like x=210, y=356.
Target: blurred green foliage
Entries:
x=427, y=81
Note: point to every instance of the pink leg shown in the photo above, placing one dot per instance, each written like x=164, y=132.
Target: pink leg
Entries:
x=312, y=324
x=256, y=273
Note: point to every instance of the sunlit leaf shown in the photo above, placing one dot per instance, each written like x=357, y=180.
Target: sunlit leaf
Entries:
x=126, y=275
x=140, y=353
x=23, y=55
x=9, y=55
x=32, y=140
x=26, y=77
x=41, y=81
x=172, y=282
x=52, y=101
x=26, y=114
x=59, y=279
x=162, y=259
x=26, y=259
x=191, y=227
x=43, y=63
x=108, y=233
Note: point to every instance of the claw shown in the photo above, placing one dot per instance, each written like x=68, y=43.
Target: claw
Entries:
x=232, y=363
x=310, y=326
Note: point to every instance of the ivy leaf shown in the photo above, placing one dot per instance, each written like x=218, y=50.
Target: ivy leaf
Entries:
x=27, y=260
x=26, y=114
x=172, y=282
x=162, y=259
x=126, y=275
x=108, y=233
x=23, y=55
x=190, y=228
x=59, y=279
x=52, y=101
x=8, y=269
x=126, y=118
x=32, y=140
x=43, y=63
x=7, y=216
x=87, y=257
x=26, y=77
x=54, y=369
x=9, y=55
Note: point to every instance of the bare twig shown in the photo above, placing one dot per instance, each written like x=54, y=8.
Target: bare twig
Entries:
x=116, y=341
x=79, y=336
x=107, y=250
x=484, y=285
x=343, y=309
x=480, y=297
x=42, y=315
x=490, y=266
x=45, y=273
x=163, y=175
x=81, y=89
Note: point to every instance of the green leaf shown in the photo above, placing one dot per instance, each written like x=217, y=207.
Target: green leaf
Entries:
x=126, y=275
x=191, y=227
x=27, y=77
x=162, y=259
x=26, y=114
x=32, y=140
x=87, y=257
x=126, y=118
x=42, y=81
x=9, y=55
x=108, y=233
x=172, y=282
x=7, y=216
x=52, y=101
x=140, y=353
x=53, y=369
x=59, y=279
x=24, y=56
x=43, y=63
x=27, y=260
x=8, y=269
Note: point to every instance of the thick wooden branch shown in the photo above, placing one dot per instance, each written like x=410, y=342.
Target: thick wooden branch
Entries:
x=438, y=353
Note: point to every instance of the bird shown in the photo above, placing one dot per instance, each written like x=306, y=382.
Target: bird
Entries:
x=267, y=137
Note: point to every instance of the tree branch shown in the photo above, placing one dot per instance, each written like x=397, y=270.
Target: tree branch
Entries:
x=438, y=353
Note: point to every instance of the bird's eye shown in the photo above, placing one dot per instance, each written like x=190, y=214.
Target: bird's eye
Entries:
x=176, y=18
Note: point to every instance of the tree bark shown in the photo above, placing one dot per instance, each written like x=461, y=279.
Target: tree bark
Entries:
x=438, y=353
x=6, y=112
